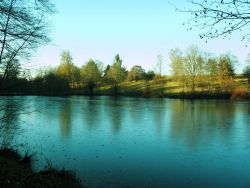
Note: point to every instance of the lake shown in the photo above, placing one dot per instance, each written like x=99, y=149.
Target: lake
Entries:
x=134, y=142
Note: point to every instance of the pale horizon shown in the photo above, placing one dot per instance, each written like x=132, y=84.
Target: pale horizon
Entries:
x=137, y=31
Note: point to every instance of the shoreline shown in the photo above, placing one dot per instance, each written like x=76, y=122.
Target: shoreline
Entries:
x=185, y=95
x=16, y=171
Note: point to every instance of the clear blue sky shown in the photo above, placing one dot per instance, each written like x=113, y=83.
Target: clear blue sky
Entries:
x=138, y=30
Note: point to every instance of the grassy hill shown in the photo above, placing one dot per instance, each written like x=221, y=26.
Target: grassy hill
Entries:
x=167, y=87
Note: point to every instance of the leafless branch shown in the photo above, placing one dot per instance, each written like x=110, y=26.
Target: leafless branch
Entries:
x=219, y=18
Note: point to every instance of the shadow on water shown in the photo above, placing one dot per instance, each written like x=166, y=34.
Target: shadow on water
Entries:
x=194, y=121
x=159, y=114
x=115, y=113
x=245, y=109
x=65, y=118
x=90, y=109
x=10, y=110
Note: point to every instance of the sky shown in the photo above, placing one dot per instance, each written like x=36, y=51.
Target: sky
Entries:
x=137, y=30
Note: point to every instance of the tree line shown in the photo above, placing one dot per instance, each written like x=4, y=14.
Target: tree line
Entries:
x=89, y=76
x=193, y=70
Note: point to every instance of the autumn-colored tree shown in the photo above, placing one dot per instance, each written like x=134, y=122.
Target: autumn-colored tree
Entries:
x=91, y=75
x=117, y=73
x=136, y=73
x=212, y=72
x=67, y=69
x=226, y=71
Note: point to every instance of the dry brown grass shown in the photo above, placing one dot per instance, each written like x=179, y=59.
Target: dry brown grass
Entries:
x=239, y=93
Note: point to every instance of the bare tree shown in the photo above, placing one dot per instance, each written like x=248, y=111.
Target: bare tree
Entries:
x=191, y=63
x=246, y=73
x=219, y=18
x=159, y=64
x=23, y=27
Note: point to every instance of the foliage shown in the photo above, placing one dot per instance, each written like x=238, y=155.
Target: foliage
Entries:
x=105, y=74
x=192, y=70
x=196, y=69
x=149, y=75
x=212, y=72
x=49, y=82
x=66, y=66
x=136, y=73
x=91, y=75
x=226, y=65
x=67, y=69
x=117, y=73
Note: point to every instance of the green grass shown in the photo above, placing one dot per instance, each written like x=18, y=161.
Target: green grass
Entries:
x=173, y=89
x=164, y=87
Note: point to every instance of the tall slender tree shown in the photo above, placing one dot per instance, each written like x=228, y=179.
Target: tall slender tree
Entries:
x=191, y=59
x=246, y=73
x=23, y=27
x=67, y=69
x=116, y=73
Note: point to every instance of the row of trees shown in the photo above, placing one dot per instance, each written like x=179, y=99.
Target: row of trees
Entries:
x=193, y=69
x=90, y=75
x=197, y=69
